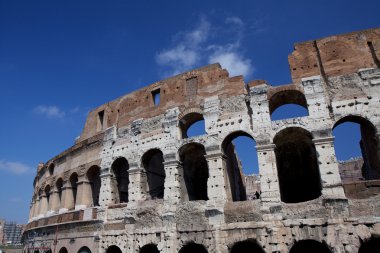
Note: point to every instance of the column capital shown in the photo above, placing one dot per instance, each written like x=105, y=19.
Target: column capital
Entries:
x=266, y=147
x=323, y=140
x=171, y=163
x=215, y=155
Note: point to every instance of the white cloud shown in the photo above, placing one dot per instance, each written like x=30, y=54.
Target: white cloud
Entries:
x=50, y=111
x=15, y=167
x=193, y=48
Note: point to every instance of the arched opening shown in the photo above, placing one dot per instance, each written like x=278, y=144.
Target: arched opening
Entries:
x=192, y=124
x=149, y=248
x=59, y=185
x=47, y=194
x=113, y=249
x=84, y=250
x=356, y=148
x=309, y=246
x=247, y=246
x=195, y=171
x=241, y=166
x=93, y=176
x=73, y=184
x=297, y=165
x=370, y=246
x=193, y=247
x=51, y=169
x=63, y=250
x=154, y=168
x=120, y=170
x=288, y=104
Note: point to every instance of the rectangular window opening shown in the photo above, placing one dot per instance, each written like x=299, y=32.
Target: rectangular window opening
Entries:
x=156, y=97
x=100, y=120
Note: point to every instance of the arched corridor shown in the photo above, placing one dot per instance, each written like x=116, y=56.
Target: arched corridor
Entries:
x=120, y=171
x=154, y=168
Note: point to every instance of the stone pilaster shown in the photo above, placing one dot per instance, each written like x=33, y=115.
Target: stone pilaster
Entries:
x=136, y=189
x=67, y=202
x=43, y=205
x=328, y=168
x=270, y=188
x=36, y=208
x=216, y=183
x=108, y=190
x=54, y=200
x=84, y=193
x=173, y=182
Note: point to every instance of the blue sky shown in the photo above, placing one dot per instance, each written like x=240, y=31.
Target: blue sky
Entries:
x=59, y=59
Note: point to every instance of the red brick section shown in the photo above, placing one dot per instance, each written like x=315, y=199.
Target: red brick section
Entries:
x=336, y=55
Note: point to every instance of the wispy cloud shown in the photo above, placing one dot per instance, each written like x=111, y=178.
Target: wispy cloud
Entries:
x=49, y=111
x=17, y=168
x=193, y=48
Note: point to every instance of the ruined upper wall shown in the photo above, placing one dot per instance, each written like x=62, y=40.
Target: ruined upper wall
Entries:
x=336, y=55
x=185, y=90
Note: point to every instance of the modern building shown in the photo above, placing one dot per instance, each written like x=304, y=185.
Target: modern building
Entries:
x=134, y=181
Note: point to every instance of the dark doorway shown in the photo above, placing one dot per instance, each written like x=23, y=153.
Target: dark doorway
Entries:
x=247, y=246
x=149, y=248
x=154, y=168
x=309, y=246
x=193, y=248
x=120, y=170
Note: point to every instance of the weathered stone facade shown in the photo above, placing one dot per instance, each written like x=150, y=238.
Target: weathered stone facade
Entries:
x=134, y=181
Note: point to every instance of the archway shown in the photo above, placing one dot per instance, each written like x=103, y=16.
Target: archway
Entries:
x=84, y=250
x=154, y=168
x=149, y=248
x=297, y=165
x=192, y=124
x=370, y=246
x=120, y=170
x=51, y=169
x=59, y=185
x=47, y=194
x=93, y=176
x=293, y=101
x=355, y=136
x=195, y=171
x=193, y=247
x=113, y=249
x=242, y=166
x=73, y=184
x=309, y=246
x=247, y=246
x=63, y=250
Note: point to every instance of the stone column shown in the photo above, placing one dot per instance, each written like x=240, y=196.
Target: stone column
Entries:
x=108, y=189
x=328, y=168
x=136, y=189
x=270, y=188
x=173, y=181
x=54, y=200
x=216, y=183
x=67, y=202
x=31, y=210
x=36, y=208
x=84, y=193
x=43, y=205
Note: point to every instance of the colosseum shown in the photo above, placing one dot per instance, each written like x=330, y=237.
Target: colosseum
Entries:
x=135, y=182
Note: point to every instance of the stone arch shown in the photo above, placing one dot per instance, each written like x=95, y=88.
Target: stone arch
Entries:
x=73, y=185
x=369, y=144
x=187, y=119
x=63, y=250
x=93, y=176
x=193, y=247
x=51, y=168
x=149, y=248
x=297, y=165
x=286, y=96
x=247, y=246
x=120, y=172
x=236, y=178
x=152, y=162
x=59, y=186
x=195, y=171
x=370, y=246
x=113, y=249
x=47, y=191
x=84, y=249
x=310, y=246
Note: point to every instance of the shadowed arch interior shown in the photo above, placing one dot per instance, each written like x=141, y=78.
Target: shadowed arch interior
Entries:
x=120, y=170
x=113, y=249
x=149, y=248
x=193, y=247
x=59, y=185
x=84, y=250
x=284, y=97
x=187, y=121
x=309, y=246
x=368, y=145
x=74, y=185
x=63, y=250
x=51, y=169
x=195, y=171
x=154, y=168
x=47, y=194
x=93, y=176
x=297, y=165
x=247, y=246
x=370, y=246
